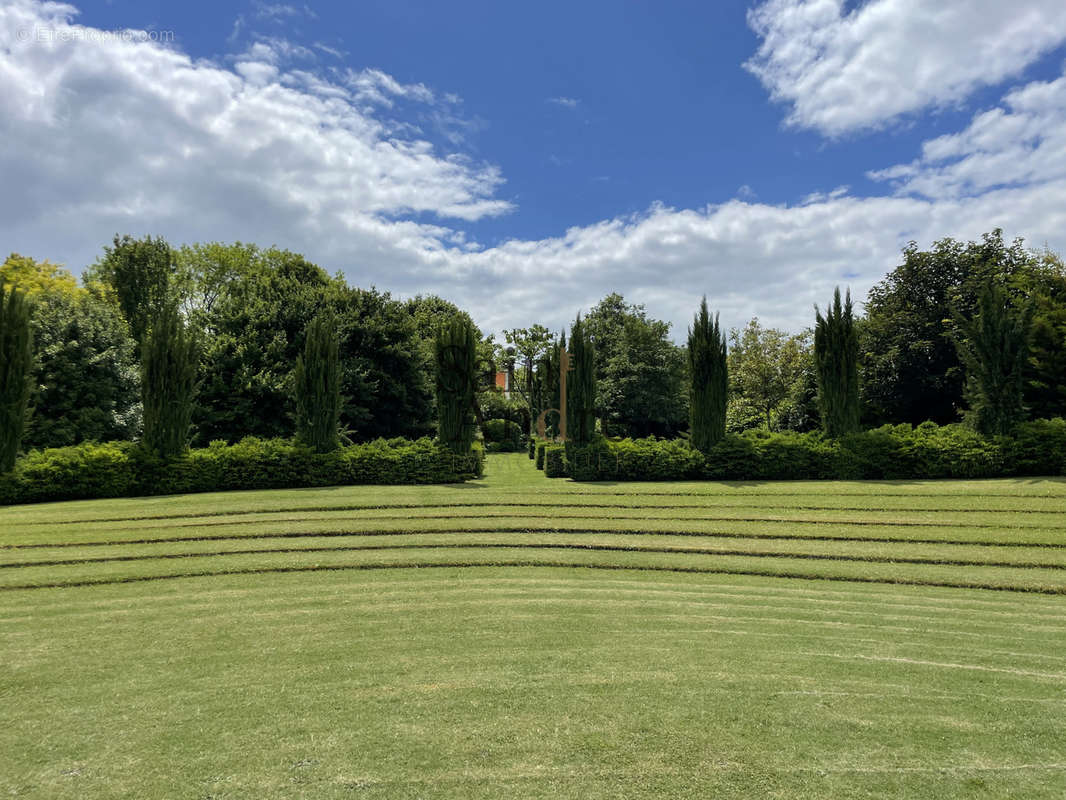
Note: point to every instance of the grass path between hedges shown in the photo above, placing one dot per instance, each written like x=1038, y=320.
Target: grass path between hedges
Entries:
x=524, y=637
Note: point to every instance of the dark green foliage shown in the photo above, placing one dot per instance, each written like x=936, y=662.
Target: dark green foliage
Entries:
x=994, y=348
x=581, y=387
x=122, y=469
x=836, y=357
x=538, y=453
x=317, y=386
x=139, y=272
x=708, y=381
x=910, y=367
x=532, y=447
x=169, y=365
x=899, y=452
x=640, y=385
x=545, y=390
x=555, y=465
x=1045, y=389
x=86, y=371
x=648, y=459
x=494, y=405
x=502, y=436
x=456, y=357
x=255, y=328
x=16, y=365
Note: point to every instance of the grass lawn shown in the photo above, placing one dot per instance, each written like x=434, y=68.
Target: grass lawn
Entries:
x=525, y=637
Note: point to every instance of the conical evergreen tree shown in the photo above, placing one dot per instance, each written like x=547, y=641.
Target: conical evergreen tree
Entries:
x=836, y=358
x=546, y=392
x=456, y=355
x=317, y=384
x=709, y=380
x=581, y=387
x=169, y=365
x=994, y=348
x=16, y=365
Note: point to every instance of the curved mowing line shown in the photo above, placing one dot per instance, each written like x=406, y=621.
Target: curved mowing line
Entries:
x=651, y=506
x=1042, y=590
x=705, y=518
x=614, y=548
x=215, y=522
x=527, y=529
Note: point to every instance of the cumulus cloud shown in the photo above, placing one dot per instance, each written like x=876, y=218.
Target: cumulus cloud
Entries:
x=566, y=102
x=846, y=71
x=126, y=132
x=1019, y=143
x=135, y=136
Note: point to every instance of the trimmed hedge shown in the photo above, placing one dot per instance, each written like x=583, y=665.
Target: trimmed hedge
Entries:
x=538, y=457
x=890, y=452
x=532, y=447
x=502, y=436
x=121, y=469
x=555, y=465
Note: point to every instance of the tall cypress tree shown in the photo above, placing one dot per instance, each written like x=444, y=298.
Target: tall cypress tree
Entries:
x=169, y=364
x=456, y=355
x=547, y=390
x=709, y=380
x=16, y=365
x=581, y=387
x=836, y=358
x=317, y=384
x=994, y=348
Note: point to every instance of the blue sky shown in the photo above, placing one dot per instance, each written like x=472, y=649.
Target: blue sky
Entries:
x=526, y=160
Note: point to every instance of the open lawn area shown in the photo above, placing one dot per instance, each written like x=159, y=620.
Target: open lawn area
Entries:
x=523, y=637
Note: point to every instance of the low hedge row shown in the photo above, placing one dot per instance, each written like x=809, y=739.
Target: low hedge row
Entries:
x=538, y=453
x=555, y=463
x=889, y=452
x=122, y=469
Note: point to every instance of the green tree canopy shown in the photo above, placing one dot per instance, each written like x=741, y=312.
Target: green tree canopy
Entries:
x=137, y=274
x=910, y=366
x=37, y=277
x=255, y=330
x=767, y=370
x=640, y=373
x=85, y=371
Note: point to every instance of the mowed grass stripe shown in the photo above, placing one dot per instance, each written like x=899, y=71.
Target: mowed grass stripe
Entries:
x=568, y=686
x=674, y=607
x=976, y=611
x=890, y=552
x=1039, y=494
x=996, y=578
x=1051, y=538
x=858, y=515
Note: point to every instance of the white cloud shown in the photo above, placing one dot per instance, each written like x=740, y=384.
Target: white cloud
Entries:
x=120, y=134
x=842, y=72
x=566, y=102
x=104, y=137
x=1020, y=143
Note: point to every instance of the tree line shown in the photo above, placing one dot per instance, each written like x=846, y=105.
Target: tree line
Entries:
x=947, y=335
x=975, y=328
